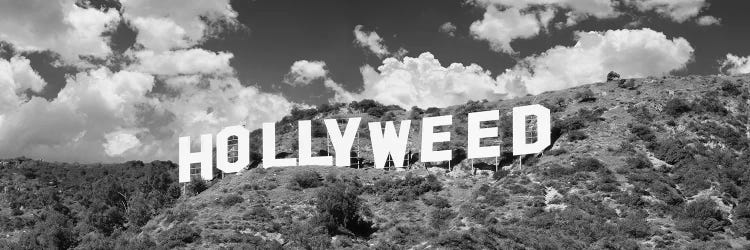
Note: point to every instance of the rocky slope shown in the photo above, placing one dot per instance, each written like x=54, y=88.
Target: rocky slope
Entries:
x=649, y=163
x=637, y=163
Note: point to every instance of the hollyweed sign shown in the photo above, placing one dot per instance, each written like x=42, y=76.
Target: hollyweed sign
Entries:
x=385, y=142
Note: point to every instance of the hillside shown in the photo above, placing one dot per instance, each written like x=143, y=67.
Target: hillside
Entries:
x=636, y=163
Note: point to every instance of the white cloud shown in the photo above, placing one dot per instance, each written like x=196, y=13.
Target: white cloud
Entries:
x=60, y=26
x=304, y=71
x=677, y=10
x=175, y=24
x=374, y=43
x=113, y=116
x=17, y=76
x=735, y=65
x=631, y=53
x=448, y=28
x=106, y=116
x=708, y=21
x=422, y=82
x=120, y=141
x=500, y=28
x=183, y=62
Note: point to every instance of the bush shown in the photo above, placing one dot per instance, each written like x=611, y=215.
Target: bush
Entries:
x=197, y=186
x=556, y=152
x=613, y=76
x=407, y=189
x=588, y=164
x=499, y=174
x=577, y=135
x=676, y=107
x=339, y=209
x=638, y=162
x=701, y=218
x=437, y=201
x=179, y=235
x=585, y=96
x=257, y=213
x=439, y=217
x=730, y=88
x=671, y=150
x=643, y=132
x=231, y=200
x=306, y=179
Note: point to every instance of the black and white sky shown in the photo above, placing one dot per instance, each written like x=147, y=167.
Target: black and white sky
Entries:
x=108, y=80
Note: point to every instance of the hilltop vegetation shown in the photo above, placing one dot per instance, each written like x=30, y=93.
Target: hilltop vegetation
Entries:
x=636, y=163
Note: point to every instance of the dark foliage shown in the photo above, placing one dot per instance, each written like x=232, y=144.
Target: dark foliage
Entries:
x=179, y=235
x=407, y=189
x=306, y=179
x=676, y=107
x=588, y=164
x=585, y=96
x=339, y=209
x=577, y=135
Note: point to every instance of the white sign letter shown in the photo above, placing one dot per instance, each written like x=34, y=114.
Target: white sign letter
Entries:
x=203, y=157
x=429, y=138
x=269, y=149
x=543, y=129
x=305, y=147
x=342, y=144
x=476, y=133
x=242, y=149
x=389, y=142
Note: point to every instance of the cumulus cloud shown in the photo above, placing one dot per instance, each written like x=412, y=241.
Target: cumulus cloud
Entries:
x=110, y=116
x=677, y=10
x=303, y=72
x=735, y=65
x=174, y=24
x=500, y=27
x=183, y=62
x=374, y=43
x=448, y=28
x=708, y=21
x=631, y=53
x=423, y=82
x=16, y=77
x=113, y=113
x=60, y=26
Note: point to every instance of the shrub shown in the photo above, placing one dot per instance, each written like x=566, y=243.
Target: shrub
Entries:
x=179, y=235
x=231, y=200
x=492, y=196
x=407, y=189
x=701, y=218
x=730, y=88
x=588, y=164
x=643, y=132
x=197, y=186
x=179, y=214
x=258, y=213
x=306, y=179
x=577, y=135
x=613, y=76
x=499, y=174
x=439, y=217
x=676, y=107
x=339, y=209
x=557, y=151
x=436, y=201
x=638, y=162
x=671, y=150
x=585, y=96
x=556, y=171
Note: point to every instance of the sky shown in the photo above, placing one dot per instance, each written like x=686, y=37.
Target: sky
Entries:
x=108, y=80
